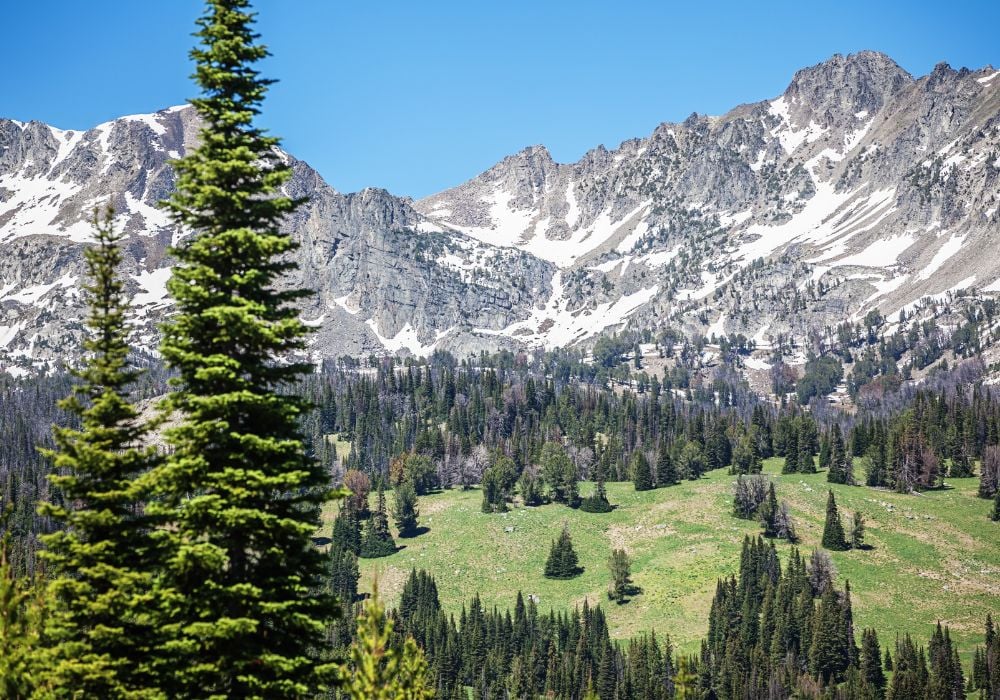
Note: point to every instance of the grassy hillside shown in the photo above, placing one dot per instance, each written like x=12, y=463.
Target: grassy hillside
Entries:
x=935, y=555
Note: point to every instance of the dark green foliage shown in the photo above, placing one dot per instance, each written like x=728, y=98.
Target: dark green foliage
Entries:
x=347, y=530
x=639, y=468
x=828, y=653
x=419, y=470
x=791, y=450
x=824, y=452
x=746, y=457
x=995, y=513
x=559, y=474
x=666, y=468
x=871, y=664
x=768, y=513
x=858, y=530
x=101, y=563
x=494, y=493
x=377, y=540
x=822, y=374
x=833, y=529
x=910, y=675
x=692, y=460
x=946, y=680
x=405, y=509
x=241, y=593
x=562, y=562
x=621, y=586
x=342, y=575
x=598, y=501
x=839, y=469
x=530, y=487
x=807, y=445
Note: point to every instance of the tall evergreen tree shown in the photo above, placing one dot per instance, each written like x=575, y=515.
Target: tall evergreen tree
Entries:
x=405, y=509
x=22, y=618
x=828, y=655
x=377, y=540
x=806, y=462
x=562, y=561
x=620, y=567
x=871, y=663
x=242, y=600
x=838, y=473
x=346, y=529
x=598, y=501
x=666, y=468
x=379, y=666
x=833, y=529
x=769, y=513
x=100, y=560
x=858, y=530
x=791, y=465
x=641, y=476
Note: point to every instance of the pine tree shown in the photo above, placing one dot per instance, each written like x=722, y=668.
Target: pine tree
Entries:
x=824, y=452
x=598, y=502
x=828, y=656
x=562, y=562
x=858, y=530
x=838, y=473
x=23, y=609
x=791, y=465
x=641, y=476
x=378, y=666
x=833, y=529
x=620, y=567
x=871, y=663
x=346, y=530
x=100, y=560
x=666, y=470
x=806, y=462
x=769, y=513
x=343, y=575
x=377, y=541
x=241, y=599
x=405, y=509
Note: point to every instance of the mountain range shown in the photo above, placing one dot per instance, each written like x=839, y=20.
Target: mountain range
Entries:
x=859, y=188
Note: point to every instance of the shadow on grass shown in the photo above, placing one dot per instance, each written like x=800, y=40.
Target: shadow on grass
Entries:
x=630, y=592
x=576, y=572
x=416, y=532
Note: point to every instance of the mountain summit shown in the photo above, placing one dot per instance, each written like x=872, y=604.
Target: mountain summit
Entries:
x=859, y=189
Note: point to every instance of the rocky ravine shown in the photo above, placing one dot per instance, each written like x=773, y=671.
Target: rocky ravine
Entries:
x=859, y=188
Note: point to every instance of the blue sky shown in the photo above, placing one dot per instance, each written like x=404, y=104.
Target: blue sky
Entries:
x=419, y=96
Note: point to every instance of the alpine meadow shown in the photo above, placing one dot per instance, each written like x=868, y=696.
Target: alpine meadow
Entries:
x=713, y=414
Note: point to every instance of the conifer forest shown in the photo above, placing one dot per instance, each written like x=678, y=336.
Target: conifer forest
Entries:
x=649, y=513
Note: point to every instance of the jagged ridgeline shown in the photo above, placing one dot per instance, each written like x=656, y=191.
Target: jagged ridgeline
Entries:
x=861, y=188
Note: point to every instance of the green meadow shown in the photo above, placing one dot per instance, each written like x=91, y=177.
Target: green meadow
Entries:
x=934, y=556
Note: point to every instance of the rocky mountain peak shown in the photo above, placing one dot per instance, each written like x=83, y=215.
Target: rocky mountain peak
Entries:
x=857, y=189
x=843, y=86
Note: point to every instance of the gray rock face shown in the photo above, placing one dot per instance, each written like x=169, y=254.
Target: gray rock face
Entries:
x=385, y=277
x=859, y=188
